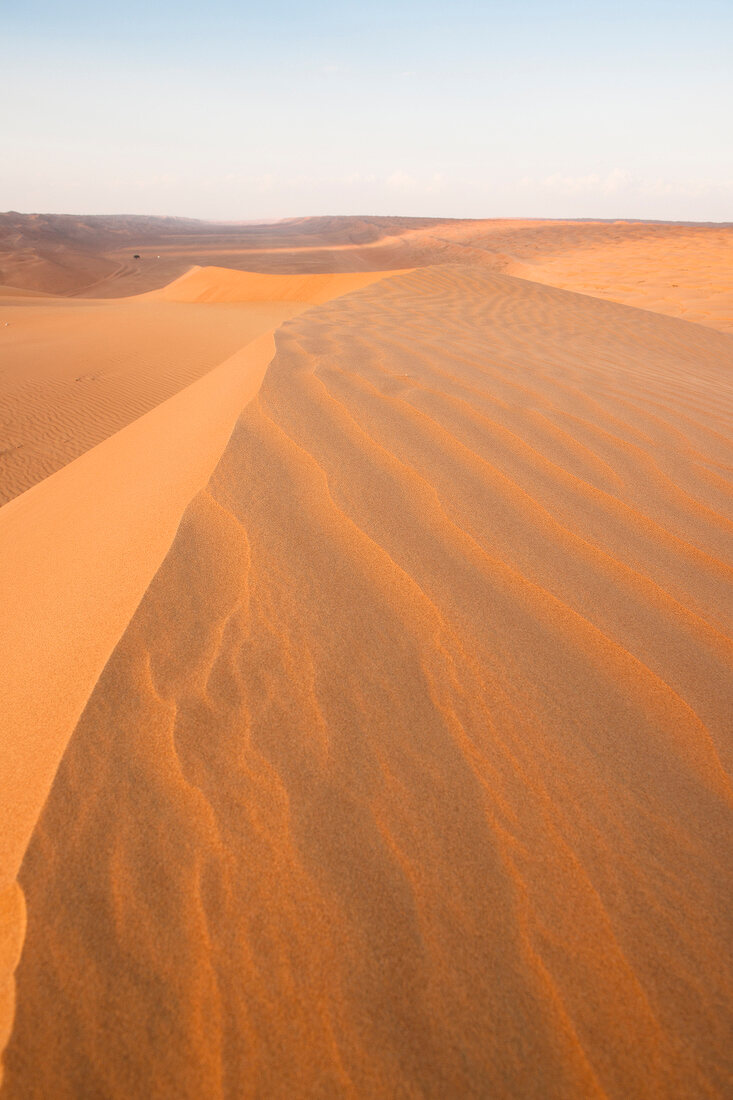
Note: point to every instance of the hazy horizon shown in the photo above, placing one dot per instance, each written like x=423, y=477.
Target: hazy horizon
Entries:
x=502, y=111
x=357, y=214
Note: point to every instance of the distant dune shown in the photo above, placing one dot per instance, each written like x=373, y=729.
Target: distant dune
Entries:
x=96, y=256
x=684, y=272
x=395, y=721
x=675, y=268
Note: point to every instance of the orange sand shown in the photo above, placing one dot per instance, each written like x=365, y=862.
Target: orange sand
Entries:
x=76, y=371
x=78, y=550
x=409, y=773
x=685, y=274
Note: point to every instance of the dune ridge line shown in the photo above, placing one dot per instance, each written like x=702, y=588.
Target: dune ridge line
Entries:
x=78, y=551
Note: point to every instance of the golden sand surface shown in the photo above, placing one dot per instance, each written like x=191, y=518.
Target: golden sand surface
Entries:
x=76, y=371
x=395, y=731
x=79, y=548
x=688, y=273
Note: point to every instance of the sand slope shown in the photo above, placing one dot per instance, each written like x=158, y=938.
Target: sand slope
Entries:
x=74, y=372
x=77, y=552
x=687, y=272
x=216, y=284
x=112, y=256
x=78, y=549
x=411, y=774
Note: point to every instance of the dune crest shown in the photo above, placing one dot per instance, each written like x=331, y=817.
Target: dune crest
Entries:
x=77, y=552
x=74, y=372
x=417, y=748
x=679, y=269
x=687, y=273
x=218, y=284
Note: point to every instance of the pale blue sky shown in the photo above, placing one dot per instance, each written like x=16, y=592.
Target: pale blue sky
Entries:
x=224, y=110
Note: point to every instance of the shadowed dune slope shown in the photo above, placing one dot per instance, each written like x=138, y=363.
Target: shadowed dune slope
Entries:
x=411, y=774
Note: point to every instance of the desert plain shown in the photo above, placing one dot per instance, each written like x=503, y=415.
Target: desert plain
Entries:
x=366, y=658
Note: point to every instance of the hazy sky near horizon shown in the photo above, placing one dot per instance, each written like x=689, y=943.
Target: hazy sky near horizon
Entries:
x=229, y=110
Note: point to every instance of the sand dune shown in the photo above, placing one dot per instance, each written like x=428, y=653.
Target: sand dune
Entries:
x=65, y=254
x=686, y=273
x=77, y=552
x=74, y=372
x=411, y=773
x=78, y=549
x=117, y=256
x=215, y=284
x=673, y=268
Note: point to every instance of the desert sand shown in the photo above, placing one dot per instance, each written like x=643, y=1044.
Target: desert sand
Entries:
x=368, y=661
x=74, y=372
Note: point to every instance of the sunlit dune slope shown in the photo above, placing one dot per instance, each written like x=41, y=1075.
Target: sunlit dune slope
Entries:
x=687, y=272
x=217, y=284
x=77, y=552
x=411, y=775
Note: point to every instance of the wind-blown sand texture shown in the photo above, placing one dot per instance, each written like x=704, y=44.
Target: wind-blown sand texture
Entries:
x=74, y=372
x=78, y=550
x=410, y=775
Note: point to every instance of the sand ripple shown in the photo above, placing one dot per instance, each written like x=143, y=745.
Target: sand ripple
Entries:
x=411, y=774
